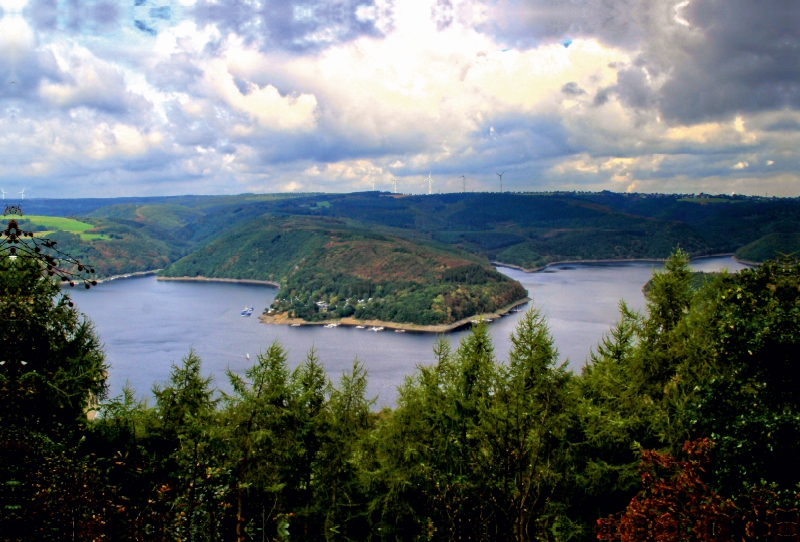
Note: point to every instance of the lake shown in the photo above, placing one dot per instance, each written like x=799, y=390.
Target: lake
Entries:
x=146, y=325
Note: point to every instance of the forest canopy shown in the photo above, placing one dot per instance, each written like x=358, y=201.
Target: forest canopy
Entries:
x=477, y=447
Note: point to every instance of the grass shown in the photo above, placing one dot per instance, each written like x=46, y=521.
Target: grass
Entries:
x=55, y=223
x=59, y=223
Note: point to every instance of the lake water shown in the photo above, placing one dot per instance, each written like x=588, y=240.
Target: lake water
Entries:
x=146, y=325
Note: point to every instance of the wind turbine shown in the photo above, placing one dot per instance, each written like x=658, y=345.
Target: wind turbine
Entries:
x=394, y=182
x=430, y=184
x=501, y=181
x=465, y=183
x=22, y=194
x=4, y=193
x=373, y=185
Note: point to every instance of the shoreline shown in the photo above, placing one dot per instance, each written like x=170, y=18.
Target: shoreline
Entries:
x=590, y=262
x=437, y=328
x=120, y=277
x=745, y=262
x=233, y=281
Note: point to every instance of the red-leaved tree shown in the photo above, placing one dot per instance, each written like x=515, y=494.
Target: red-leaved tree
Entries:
x=677, y=504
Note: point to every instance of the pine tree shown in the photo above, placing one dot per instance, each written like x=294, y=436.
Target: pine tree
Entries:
x=260, y=437
x=52, y=373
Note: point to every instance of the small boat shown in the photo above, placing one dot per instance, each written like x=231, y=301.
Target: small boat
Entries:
x=247, y=311
x=488, y=320
x=473, y=322
x=332, y=325
x=247, y=355
x=360, y=327
x=377, y=328
x=295, y=325
x=399, y=330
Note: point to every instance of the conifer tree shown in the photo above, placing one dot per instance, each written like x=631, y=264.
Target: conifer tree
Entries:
x=186, y=447
x=259, y=435
x=526, y=429
x=310, y=421
x=52, y=372
x=339, y=490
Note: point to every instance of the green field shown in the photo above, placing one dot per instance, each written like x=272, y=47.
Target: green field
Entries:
x=55, y=223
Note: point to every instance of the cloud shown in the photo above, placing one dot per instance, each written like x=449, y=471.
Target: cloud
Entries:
x=715, y=59
x=531, y=23
x=298, y=26
x=174, y=96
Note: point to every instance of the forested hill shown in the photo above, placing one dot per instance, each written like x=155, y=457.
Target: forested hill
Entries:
x=328, y=270
x=528, y=230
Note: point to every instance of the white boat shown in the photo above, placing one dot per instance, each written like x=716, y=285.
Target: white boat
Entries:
x=247, y=356
x=360, y=327
x=488, y=320
x=332, y=325
x=378, y=328
x=399, y=330
x=295, y=325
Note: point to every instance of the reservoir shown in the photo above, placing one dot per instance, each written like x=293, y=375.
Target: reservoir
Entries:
x=146, y=325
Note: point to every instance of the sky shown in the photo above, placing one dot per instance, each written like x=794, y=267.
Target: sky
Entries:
x=169, y=97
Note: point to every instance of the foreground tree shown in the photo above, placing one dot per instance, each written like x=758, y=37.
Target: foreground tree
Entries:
x=478, y=450
x=52, y=373
x=677, y=503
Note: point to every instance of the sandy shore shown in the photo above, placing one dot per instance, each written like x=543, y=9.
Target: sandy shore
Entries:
x=236, y=281
x=282, y=319
x=627, y=260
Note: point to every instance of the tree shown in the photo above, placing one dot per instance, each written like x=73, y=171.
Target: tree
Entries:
x=750, y=405
x=52, y=369
x=52, y=372
x=185, y=448
x=677, y=503
x=260, y=436
x=338, y=489
x=527, y=428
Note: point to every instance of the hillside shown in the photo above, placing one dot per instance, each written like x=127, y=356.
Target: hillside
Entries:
x=328, y=269
x=113, y=246
x=235, y=236
x=770, y=247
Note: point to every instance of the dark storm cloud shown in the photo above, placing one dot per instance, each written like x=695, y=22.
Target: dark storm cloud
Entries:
x=734, y=56
x=787, y=125
x=528, y=23
x=293, y=25
x=746, y=60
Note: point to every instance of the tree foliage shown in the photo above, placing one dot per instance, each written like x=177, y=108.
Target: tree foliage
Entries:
x=477, y=448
